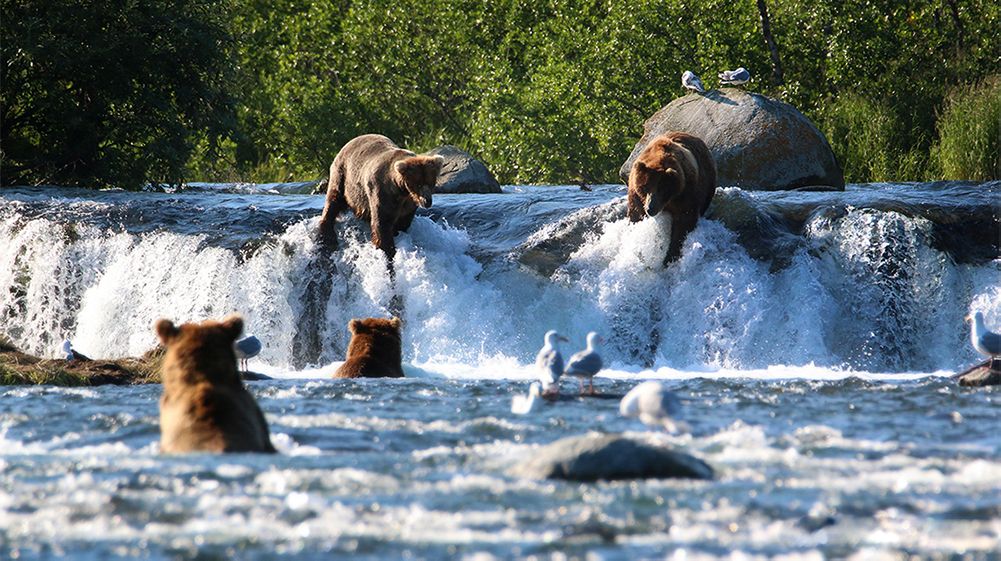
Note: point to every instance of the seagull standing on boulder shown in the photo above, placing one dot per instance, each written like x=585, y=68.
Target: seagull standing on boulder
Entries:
x=549, y=361
x=734, y=77
x=692, y=82
x=985, y=341
x=247, y=348
x=654, y=405
x=586, y=363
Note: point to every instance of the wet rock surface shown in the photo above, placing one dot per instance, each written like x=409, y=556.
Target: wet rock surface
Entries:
x=609, y=457
x=759, y=143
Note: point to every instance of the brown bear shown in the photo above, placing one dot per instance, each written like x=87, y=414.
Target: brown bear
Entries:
x=676, y=174
x=381, y=183
x=205, y=406
x=375, y=350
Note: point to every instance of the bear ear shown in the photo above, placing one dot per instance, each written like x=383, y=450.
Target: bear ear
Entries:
x=165, y=330
x=404, y=167
x=640, y=166
x=396, y=322
x=354, y=326
x=437, y=161
x=233, y=325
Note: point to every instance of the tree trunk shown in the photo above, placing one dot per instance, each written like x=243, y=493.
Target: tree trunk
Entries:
x=766, y=30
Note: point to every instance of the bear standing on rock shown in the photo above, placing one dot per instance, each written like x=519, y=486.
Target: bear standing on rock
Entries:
x=375, y=350
x=205, y=406
x=381, y=183
x=676, y=174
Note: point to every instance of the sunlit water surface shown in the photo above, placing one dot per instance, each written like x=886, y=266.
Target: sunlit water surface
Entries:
x=809, y=336
x=807, y=469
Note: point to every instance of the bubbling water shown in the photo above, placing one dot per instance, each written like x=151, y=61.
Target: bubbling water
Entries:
x=860, y=288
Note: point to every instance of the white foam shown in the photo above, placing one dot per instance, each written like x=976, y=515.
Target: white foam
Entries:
x=716, y=311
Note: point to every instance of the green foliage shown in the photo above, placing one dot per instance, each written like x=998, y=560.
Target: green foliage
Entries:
x=970, y=132
x=868, y=139
x=109, y=93
x=544, y=92
x=882, y=68
x=557, y=91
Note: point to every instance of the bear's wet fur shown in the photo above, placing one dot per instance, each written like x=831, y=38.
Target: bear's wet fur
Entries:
x=205, y=406
x=675, y=174
x=375, y=350
x=380, y=182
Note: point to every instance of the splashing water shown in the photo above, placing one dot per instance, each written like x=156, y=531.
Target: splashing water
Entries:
x=764, y=328
x=860, y=288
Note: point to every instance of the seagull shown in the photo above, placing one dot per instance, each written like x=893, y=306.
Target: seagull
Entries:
x=692, y=82
x=654, y=405
x=985, y=341
x=246, y=348
x=735, y=77
x=71, y=353
x=549, y=361
x=586, y=363
x=522, y=405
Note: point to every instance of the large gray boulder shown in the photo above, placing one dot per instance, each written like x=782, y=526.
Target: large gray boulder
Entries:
x=462, y=173
x=759, y=143
x=609, y=457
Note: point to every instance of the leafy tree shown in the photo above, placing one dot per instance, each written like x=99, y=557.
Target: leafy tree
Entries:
x=128, y=91
x=110, y=93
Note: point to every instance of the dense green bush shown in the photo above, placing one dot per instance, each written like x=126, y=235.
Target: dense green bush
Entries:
x=870, y=142
x=861, y=133
x=109, y=93
x=970, y=133
x=557, y=91
x=543, y=92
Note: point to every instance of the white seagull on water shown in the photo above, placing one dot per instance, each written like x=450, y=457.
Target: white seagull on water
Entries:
x=586, y=363
x=692, y=82
x=735, y=77
x=247, y=348
x=985, y=341
x=654, y=405
x=549, y=361
x=522, y=404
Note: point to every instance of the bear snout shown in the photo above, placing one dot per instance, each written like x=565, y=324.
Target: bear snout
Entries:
x=424, y=201
x=652, y=205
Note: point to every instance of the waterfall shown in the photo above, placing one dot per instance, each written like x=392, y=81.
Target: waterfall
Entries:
x=855, y=287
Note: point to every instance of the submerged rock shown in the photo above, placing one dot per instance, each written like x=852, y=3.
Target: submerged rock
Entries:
x=988, y=373
x=551, y=247
x=594, y=457
x=462, y=173
x=759, y=143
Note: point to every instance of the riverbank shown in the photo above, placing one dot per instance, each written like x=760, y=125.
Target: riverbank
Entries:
x=20, y=369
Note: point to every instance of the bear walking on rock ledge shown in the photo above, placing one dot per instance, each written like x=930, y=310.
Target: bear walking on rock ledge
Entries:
x=675, y=174
x=380, y=182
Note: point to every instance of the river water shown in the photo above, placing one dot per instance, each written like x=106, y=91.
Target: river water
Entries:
x=809, y=337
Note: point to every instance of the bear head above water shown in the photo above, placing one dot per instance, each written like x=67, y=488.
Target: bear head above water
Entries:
x=375, y=350
x=205, y=406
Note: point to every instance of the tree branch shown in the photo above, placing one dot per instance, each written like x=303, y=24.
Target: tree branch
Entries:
x=766, y=30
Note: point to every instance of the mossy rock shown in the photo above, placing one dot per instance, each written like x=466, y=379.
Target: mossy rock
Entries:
x=17, y=368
